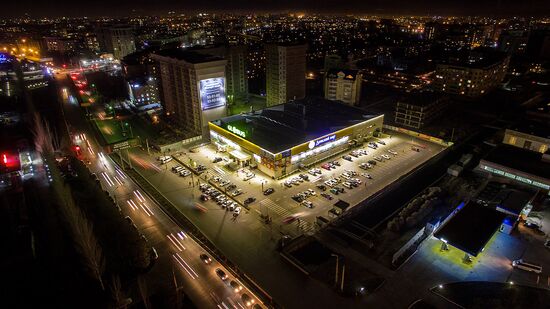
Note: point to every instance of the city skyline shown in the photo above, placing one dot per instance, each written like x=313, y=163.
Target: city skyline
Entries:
x=493, y=8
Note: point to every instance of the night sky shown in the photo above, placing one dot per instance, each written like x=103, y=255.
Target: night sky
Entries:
x=37, y=8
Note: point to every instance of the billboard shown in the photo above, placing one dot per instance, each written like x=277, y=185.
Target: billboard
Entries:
x=212, y=92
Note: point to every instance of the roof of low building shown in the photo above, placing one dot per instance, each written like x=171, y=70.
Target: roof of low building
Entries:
x=284, y=126
x=187, y=55
x=471, y=227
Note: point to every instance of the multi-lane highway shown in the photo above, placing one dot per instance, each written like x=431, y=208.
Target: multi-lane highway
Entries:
x=176, y=250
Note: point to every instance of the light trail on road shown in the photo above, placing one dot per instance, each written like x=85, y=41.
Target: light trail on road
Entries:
x=186, y=266
x=108, y=179
x=176, y=242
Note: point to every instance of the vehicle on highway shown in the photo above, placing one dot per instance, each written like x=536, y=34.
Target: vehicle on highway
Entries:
x=235, y=286
x=249, y=200
x=247, y=300
x=221, y=274
x=237, y=211
x=268, y=191
x=327, y=196
x=205, y=258
x=521, y=264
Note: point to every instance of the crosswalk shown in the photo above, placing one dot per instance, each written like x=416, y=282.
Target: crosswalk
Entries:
x=273, y=207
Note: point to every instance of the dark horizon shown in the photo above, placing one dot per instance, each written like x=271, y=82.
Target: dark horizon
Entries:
x=497, y=8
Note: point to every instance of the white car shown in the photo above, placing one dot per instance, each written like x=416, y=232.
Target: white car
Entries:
x=347, y=185
x=311, y=192
x=237, y=211
x=385, y=156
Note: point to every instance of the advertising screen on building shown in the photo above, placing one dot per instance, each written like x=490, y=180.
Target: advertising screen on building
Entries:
x=212, y=91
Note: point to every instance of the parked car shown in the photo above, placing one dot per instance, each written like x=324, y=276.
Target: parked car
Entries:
x=321, y=187
x=346, y=157
x=327, y=196
x=217, y=159
x=237, y=211
x=249, y=200
x=237, y=192
x=307, y=203
x=381, y=142
x=268, y=191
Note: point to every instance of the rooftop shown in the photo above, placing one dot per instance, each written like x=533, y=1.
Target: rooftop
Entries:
x=533, y=128
x=478, y=58
x=187, y=55
x=348, y=74
x=520, y=159
x=421, y=98
x=284, y=126
x=471, y=227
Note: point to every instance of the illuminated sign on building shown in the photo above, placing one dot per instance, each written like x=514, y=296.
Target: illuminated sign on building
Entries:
x=3, y=58
x=212, y=92
x=322, y=141
x=236, y=130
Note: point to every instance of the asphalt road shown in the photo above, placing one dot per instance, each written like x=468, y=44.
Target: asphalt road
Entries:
x=179, y=259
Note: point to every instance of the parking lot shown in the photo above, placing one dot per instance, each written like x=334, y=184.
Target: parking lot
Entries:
x=312, y=192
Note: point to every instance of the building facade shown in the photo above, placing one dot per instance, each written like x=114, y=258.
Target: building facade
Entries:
x=285, y=72
x=343, y=85
x=418, y=110
x=529, y=138
x=192, y=88
x=143, y=91
x=472, y=76
x=117, y=40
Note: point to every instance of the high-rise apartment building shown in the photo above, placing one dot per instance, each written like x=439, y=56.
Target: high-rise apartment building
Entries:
x=192, y=88
x=343, y=85
x=117, y=40
x=285, y=72
x=471, y=75
x=235, y=71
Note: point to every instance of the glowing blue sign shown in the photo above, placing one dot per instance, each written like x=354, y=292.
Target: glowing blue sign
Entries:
x=3, y=58
x=212, y=92
x=322, y=141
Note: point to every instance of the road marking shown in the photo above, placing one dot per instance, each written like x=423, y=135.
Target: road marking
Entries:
x=185, y=266
x=274, y=207
x=176, y=242
x=120, y=173
x=132, y=204
x=107, y=179
x=139, y=196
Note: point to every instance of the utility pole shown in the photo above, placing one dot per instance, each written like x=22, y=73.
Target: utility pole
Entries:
x=129, y=161
x=147, y=143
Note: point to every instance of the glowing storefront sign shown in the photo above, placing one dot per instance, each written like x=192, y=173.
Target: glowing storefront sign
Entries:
x=236, y=130
x=212, y=92
x=321, y=141
x=3, y=58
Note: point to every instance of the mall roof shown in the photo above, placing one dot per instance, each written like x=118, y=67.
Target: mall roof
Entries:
x=284, y=126
x=520, y=159
x=471, y=227
x=348, y=74
x=187, y=55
